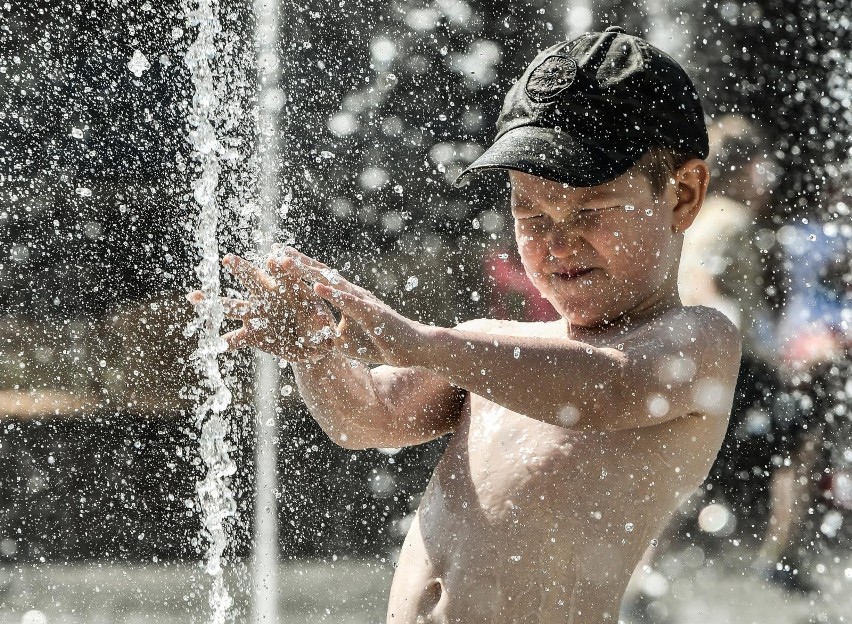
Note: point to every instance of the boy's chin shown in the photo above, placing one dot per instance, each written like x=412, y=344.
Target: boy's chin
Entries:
x=587, y=317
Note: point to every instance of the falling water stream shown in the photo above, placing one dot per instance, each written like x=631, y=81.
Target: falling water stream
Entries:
x=215, y=496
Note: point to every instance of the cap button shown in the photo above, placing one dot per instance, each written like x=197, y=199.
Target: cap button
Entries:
x=614, y=29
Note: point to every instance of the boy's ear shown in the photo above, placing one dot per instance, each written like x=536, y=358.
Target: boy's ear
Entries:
x=691, y=181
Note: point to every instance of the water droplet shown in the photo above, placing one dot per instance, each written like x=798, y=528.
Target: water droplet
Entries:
x=286, y=390
x=649, y=212
x=474, y=296
x=398, y=189
x=654, y=542
x=331, y=275
x=517, y=352
x=630, y=207
x=76, y=133
x=378, y=330
x=628, y=527
x=138, y=64
x=82, y=191
x=411, y=283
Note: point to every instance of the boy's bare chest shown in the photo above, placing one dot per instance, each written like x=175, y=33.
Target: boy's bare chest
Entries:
x=502, y=469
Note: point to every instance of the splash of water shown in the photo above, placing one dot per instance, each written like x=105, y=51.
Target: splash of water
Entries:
x=216, y=498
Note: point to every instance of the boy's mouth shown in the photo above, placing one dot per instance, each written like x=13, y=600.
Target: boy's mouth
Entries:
x=572, y=274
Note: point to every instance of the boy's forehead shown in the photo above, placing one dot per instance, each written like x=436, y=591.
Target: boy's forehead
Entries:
x=626, y=185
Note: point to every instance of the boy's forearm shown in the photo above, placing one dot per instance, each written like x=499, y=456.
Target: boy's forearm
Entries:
x=340, y=395
x=551, y=380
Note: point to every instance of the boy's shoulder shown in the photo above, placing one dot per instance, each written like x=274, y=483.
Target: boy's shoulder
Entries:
x=701, y=334
x=701, y=326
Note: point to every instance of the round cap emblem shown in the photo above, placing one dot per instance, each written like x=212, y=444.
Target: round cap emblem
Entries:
x=552, y=76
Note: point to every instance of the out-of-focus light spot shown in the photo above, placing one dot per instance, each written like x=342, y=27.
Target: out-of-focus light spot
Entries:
x=580, y=19
x=710, y=397
x=19, y=253
x=442, y=153
x=677, y=369
x=831, y=523
x=401, y=526
x=655, y=585
x=392, y=126
x=457, y=11
x=658, y=406
x=491, y=221
x=92, y=230
x=382, y=50
x=392, y=221
x=342, y=124
x=422, y=19
x=383, y=483
x=34, y=617
x=8, y=547
x=841, y=489
x=373, y=178
x=716, y=519
x=568, y=416
x=757, y=423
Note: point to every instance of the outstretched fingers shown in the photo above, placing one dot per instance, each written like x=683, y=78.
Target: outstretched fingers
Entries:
x=237, y=339
x=234, y=308
x=292, y=262
x=250, y=276
x=359, y=309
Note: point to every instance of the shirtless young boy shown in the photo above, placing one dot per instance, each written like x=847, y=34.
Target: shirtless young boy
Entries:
x=573, y=441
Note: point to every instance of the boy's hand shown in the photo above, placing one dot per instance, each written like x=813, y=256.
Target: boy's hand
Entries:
x=369, y=329
x=282, y=315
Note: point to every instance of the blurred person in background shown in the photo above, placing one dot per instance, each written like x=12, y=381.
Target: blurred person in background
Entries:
x=773, y=446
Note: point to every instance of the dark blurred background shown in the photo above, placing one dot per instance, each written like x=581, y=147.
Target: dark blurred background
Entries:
x=385, y=102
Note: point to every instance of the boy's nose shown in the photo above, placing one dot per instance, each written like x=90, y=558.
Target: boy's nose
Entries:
x=562, y=243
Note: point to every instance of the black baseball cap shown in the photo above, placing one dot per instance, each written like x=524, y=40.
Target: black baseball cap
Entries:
x=585, y=111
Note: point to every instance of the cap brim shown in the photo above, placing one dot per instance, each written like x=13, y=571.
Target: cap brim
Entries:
x=554, y=155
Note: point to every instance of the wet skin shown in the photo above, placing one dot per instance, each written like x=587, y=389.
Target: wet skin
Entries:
x=525, y=521
x=573, y=442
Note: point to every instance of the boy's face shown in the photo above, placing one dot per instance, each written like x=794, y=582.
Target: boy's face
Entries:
x=596, y=253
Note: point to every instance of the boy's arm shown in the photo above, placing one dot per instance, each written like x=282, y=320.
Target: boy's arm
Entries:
x=683, y=364
x=357, y=407
x=386, y=407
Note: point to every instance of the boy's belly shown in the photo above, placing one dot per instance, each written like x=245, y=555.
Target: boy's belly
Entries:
x=526, y=522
